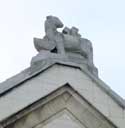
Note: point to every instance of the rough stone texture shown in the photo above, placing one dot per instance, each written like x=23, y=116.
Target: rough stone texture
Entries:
x=62, y=83
x=62, y=108
x=34, y=70
x=55, y=77
x=66, y=45
x=61, y=122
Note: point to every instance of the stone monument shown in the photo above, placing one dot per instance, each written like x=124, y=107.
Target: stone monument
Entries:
x=61, y=88
x=66, y=46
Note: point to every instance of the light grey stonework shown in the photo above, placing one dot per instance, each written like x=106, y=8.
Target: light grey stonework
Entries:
x=61, y=88
x=67, y=45
x=65, y=102
x=43, y=83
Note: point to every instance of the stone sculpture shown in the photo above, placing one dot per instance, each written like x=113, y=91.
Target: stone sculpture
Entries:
x=53, y=38
x=67, y=45
x=74, y=43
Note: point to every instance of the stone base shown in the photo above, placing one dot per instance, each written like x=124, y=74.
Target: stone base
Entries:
x=45, y=57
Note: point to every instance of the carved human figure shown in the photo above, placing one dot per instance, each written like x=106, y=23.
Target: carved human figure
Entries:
x=74, y=43
x=85, y=43
x=66, y=30
x=74, y=32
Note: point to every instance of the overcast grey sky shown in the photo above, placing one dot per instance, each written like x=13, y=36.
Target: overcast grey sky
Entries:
x=101, y=21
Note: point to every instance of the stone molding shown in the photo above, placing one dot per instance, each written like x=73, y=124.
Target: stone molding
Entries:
x=67, y=101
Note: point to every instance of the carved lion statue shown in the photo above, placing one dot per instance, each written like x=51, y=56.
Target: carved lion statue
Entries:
x=53, y=39
x=68, y=40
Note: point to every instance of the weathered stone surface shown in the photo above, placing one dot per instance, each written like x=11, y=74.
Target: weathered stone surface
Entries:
x=58, y=108
x=54, y=78
x=60, y=84
x=66, y=44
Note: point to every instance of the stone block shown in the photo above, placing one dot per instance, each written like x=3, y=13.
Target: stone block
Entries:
x=114, y=109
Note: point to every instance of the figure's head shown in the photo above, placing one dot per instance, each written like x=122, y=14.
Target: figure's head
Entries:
x=74, y=31
x=66, y=30
x=55, y=20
